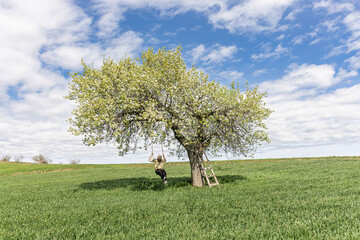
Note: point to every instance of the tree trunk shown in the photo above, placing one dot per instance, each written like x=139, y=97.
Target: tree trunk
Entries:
x=195, y=157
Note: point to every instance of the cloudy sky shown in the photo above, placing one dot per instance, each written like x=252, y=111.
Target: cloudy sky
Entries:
x=305, y=54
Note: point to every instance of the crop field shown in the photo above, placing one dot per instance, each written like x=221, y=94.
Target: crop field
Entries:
x=313, y=198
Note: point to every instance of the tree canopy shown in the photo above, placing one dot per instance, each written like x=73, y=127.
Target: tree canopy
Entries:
x=135, y=102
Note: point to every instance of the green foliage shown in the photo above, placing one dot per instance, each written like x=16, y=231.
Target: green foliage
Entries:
x=158, y=99
x=287, y=199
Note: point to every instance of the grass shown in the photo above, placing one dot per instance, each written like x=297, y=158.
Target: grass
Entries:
x=277, y=199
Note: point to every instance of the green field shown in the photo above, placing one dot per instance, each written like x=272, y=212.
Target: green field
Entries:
x=315, y=198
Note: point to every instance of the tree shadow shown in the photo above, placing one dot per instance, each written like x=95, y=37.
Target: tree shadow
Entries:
x=150, y=184
x=136, y=184
x=224, y=179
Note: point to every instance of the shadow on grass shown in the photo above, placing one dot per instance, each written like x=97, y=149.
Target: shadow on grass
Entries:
x=146, y=184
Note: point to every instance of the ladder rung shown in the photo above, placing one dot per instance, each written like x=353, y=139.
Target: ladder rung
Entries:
x=216, y=183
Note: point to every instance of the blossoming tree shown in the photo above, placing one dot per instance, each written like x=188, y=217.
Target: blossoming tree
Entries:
x=157, y=99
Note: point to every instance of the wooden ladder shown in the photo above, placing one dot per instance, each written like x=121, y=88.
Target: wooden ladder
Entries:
x=209, y=176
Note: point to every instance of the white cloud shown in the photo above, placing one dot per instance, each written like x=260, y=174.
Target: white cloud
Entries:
x=343, y=74
x=297, y=40
x=354, y=62
x=129, y=44
x=216, y=53
x=281, y=37
x=43, y=105
x=306, y=113
x=174, y=33
x=292, y=15
x=111, y=11
x=278, y=52
x=252, y=15
x=332, y=25
x=315, y=41
x=110, y=15
x=336, y=51
x=166, y=7
x=27, y=27
x=249, y=15
x=334, y=7
x=231, y=75
x=352, y=22
x=30, y=24
x=320, y=150
x=219, y=53
x=317, y=119
x=36, y=124
x=69, y=56
x=349, y=17
x=300, y=78
x=259, y=72
x=37, y=39
x=198, y=51
x=329, y=26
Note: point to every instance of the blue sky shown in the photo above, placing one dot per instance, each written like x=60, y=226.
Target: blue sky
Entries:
x=304, y=54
